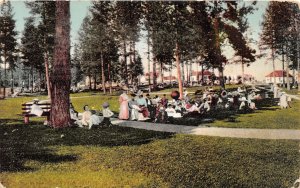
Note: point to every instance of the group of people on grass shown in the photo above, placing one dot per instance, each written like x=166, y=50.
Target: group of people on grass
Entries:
x=138, y=106
x=91, y=118
x=88, y=118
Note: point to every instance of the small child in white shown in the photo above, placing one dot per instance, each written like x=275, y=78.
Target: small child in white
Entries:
x=107, y=113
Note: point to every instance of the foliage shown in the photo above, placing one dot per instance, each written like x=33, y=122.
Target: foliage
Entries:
x=32, y=54
x=8, y=41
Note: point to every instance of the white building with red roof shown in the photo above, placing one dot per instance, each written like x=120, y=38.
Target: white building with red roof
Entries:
x=197, y=75
x=278, y=76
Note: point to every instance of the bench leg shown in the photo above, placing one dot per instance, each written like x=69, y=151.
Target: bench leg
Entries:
x=26, y=120
x=48, y=118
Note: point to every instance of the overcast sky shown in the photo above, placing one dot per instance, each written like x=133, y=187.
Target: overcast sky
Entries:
x=79, y=9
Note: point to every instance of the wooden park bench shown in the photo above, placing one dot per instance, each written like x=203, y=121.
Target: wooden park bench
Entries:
x=26, y=108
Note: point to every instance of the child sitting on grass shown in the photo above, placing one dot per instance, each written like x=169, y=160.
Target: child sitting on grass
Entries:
x=107, y=113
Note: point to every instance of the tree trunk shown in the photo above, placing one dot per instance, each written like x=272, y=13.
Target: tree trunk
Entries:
x=5, y=80
x=288, y=85
x=90, y=82
x=202, y=74
x=149, y=76
x=61, y=75
x=273, y=62
x=125, y=63
x=40, y=80
x=32, y=80
x=130, y=64
x=161, y=72
x=102, y=74
x=178, y=70
x=47, y=74
x=154, y=73
x=109, y=78
x=95, y=84
x=218, y=48
x=12, y=81
x=243, y=71
x=283, y=81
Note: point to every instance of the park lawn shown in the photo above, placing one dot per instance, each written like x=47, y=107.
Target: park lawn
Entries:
x=37, y=156
x=11, y=107
x=265, y=118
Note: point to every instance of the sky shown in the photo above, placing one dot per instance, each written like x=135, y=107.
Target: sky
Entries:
x=79, y=9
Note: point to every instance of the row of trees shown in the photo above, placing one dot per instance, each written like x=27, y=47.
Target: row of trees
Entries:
x=281, y=34
x=176, y=32
x=8, y=43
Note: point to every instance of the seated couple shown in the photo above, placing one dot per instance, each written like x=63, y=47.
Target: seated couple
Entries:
x=89, y=118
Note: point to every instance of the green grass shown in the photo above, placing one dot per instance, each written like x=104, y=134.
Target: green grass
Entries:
x=37, y=156
x=265, y=118
x=292, y=91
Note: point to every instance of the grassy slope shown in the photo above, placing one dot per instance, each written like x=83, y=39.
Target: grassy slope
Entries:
x=36, y=156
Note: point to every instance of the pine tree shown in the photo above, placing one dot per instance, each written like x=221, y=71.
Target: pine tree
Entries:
x=61, y=74
x=32, y=53
x=8, y=41
x=45, y=12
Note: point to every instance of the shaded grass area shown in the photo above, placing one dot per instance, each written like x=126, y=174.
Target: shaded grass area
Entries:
x=37, y=156
x=267, y=117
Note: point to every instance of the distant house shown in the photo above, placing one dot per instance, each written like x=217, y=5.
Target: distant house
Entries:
x=278, y=76
x=197, y=75
x=169, y=78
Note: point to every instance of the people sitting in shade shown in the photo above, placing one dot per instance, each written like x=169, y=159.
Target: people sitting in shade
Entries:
x=124, y=109
x=133, y=108
x=143, y=106
x=107, y=114
x=172, y=112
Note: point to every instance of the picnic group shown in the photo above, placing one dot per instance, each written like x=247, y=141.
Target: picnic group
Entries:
x=161, y=109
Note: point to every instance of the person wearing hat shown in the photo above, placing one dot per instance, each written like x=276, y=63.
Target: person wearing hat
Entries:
x=107, y=114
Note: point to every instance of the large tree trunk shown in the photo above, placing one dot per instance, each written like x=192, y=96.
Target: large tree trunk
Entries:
x=178, y=70
x=61, y=75
x=102, y=74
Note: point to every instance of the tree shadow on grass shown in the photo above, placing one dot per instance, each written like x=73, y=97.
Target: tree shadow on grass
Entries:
x=22, y=143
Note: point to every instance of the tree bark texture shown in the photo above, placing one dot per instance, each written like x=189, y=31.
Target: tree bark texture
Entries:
x=178, y=71
x=61, y=74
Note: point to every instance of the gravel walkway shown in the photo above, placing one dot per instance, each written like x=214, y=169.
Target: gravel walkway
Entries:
x=288, y=134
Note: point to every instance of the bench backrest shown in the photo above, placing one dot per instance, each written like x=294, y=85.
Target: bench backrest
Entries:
x=26, y=107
